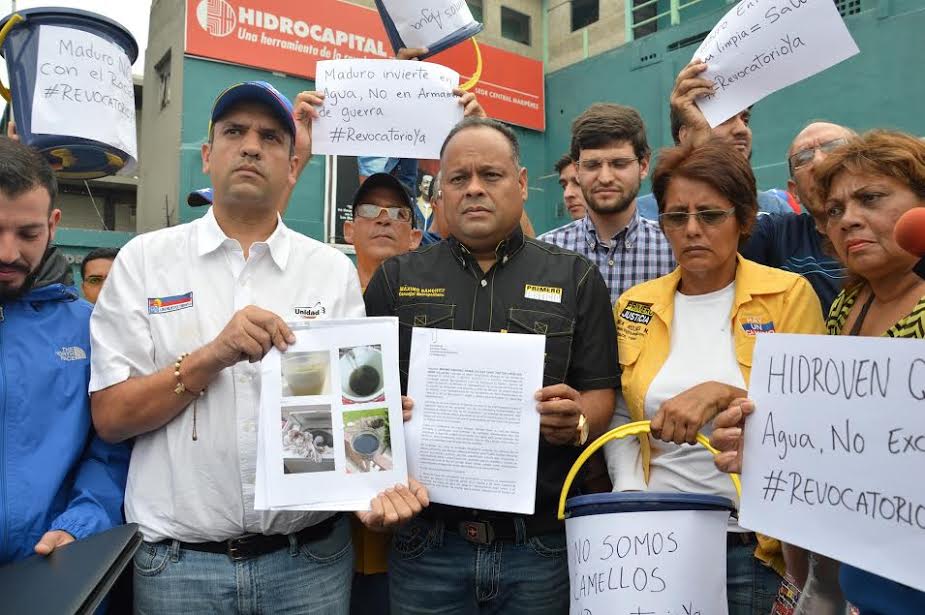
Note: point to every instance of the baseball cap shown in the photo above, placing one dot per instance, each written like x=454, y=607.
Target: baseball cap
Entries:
x=198, y=198
x=256, y=91
x=384, y=180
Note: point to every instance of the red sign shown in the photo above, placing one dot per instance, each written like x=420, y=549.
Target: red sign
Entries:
x=290, y=37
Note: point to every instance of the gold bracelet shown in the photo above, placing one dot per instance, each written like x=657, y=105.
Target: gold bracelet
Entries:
x=181, y=388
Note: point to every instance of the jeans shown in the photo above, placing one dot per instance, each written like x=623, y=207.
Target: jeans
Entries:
x=751, y=587
x=432, y=569
x=312, y=578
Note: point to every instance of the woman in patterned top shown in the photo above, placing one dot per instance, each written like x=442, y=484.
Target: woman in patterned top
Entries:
x=868, y=184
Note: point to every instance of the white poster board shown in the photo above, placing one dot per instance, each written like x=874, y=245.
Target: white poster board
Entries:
x=653, y=562
x=421, y=23
x=761, y=46
x=331, y=435
x=83, y=88
x=474, y=434
x=394, y=108
x=835, y=452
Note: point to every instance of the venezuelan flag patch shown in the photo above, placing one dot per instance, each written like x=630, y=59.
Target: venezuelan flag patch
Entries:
x=162, y=305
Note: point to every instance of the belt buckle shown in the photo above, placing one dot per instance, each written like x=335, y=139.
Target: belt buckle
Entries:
x=234, y=548
x=477, y=532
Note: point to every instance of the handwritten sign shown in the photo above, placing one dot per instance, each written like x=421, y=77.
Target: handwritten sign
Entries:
x=395, y=108
x=421, y=23
x=83, y=88
x=835, y=451
x=761, y=46
x=648, y=563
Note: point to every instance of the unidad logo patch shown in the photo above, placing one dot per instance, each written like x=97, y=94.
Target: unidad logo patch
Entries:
x=162, y=305
x=310, y=312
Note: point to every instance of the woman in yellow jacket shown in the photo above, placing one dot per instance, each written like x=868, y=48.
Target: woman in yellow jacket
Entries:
x=685, y=345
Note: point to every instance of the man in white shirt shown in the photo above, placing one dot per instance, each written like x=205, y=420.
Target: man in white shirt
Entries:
x=185, y=316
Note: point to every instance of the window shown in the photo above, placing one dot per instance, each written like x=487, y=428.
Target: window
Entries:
x=848, y=7
x=642, y=11
x=162, y=68
x=584, y=13
x=515, y=26
x=475, y=7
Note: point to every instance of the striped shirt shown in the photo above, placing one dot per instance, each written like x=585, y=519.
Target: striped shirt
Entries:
x=637, y=254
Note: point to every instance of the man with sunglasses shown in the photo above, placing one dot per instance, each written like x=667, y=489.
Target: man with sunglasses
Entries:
x=93, y=271
x=383, y=223
x=795, y=243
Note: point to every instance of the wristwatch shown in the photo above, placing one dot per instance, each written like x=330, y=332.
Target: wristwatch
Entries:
x=583, y=429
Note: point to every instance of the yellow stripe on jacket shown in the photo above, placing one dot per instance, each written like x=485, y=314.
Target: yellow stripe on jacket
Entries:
x=766, y=300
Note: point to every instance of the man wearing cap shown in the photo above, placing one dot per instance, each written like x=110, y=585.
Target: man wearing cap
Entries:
x=383, y=223
x=187, y=314
x=488, y=277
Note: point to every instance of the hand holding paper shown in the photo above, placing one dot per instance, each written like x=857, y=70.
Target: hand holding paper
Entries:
x=688, y=88
x=305, y=112
x=762, y=46
x=395, y=506
x=727, y=436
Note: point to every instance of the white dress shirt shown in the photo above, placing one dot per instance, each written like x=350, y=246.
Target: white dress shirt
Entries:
x=173, y=291
x=702, y=349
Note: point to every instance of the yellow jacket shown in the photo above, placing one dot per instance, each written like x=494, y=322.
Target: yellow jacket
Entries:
x=766, y=300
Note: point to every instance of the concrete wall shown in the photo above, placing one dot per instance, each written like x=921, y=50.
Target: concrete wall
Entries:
x=158, y=200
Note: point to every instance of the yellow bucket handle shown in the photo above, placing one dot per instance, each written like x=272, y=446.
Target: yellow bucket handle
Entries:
x=478, y=68
x=9, y=25
x=630, y=429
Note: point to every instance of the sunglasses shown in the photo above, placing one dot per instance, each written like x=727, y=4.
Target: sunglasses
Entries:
x=805, y=156
x=706, y=217
x=394, y=212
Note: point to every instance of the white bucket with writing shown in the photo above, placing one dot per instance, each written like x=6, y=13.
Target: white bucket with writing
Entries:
x=645, y=553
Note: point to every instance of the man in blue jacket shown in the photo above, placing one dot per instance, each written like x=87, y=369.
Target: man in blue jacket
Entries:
x=58, y=481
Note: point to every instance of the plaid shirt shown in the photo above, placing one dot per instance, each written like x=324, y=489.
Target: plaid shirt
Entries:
x=637, y=254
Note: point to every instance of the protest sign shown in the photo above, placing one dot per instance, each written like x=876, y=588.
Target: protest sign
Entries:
x=83, y=88
x=835, y=451
x=761, y=46
x=648, y=563
x=429, y=23
x=392, y=108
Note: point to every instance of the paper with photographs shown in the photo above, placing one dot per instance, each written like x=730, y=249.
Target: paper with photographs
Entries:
x=330, y=435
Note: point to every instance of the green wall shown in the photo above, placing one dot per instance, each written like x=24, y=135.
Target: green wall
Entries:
x=880, y=87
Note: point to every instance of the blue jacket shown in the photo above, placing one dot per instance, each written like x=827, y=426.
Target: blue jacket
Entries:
x=55, y=474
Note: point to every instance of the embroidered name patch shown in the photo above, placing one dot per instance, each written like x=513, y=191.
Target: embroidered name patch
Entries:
x=426, y=293
x=310, y=312
x=162, y=305
x=640, y=313
x=552, y=294
x=753, y=327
